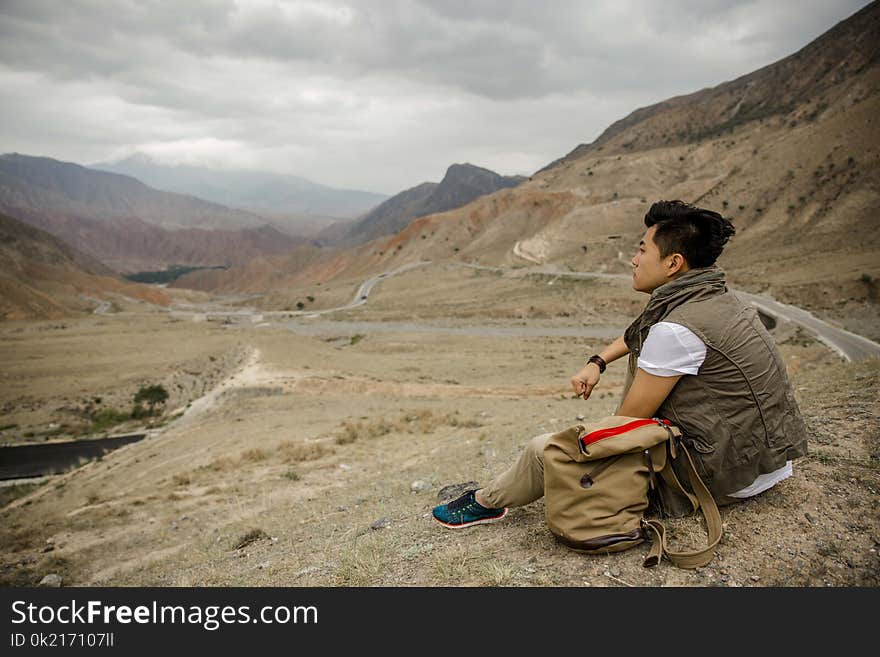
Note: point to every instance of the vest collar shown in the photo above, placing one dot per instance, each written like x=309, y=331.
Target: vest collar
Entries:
x=693, y=285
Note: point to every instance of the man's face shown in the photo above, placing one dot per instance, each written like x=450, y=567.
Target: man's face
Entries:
x=650, y=271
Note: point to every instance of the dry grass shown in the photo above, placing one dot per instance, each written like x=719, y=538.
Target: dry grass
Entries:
x=292, y=452
x=31, y=572
x=10, y=493
x=221, y=464
x=249, y=537
x=422, y=421
x=348, y=434
x=254, y=455
x=362, y=563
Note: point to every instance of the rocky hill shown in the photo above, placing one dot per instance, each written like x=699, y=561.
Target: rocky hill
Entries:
x=800, y=85
x=41, y=277
x=462, y=184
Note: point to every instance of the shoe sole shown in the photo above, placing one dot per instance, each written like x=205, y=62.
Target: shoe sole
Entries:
x=484, y=521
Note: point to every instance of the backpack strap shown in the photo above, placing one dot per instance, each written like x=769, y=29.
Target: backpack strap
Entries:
x=672, y=481
x=695, y=558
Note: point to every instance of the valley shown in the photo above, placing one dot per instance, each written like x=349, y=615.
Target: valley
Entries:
x=331, y=447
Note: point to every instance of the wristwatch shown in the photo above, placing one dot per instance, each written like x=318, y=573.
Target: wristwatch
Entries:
x=596, y=358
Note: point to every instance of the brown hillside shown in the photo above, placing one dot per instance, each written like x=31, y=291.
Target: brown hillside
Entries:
x=799, y=81
x=43, y=278
x=131, y=245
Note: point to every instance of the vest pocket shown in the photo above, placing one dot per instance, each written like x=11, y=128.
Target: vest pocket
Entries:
x=699, y=443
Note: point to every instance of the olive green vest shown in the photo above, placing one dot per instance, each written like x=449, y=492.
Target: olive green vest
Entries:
x=738, y=414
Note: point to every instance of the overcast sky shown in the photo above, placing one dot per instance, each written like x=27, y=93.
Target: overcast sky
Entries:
x=378, y=95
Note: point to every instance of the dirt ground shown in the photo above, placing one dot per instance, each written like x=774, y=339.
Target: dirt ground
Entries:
x=314, y=460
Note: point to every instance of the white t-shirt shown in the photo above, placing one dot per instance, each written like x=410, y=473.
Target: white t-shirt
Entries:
x=671, y=349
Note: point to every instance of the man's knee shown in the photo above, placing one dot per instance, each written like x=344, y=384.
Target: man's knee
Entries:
x=537, y=444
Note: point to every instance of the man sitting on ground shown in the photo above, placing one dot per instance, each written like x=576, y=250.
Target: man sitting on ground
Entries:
x=699, y=357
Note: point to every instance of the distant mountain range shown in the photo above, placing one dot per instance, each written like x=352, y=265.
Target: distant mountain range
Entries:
x=132, y=227
x=462, y=184
x=258, y=191
x=52, y=185
x=128, y=225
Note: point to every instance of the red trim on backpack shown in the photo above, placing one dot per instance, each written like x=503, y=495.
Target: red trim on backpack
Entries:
x=598, y=435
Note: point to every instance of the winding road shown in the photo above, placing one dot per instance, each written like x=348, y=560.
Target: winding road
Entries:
x=848, y=345
x=363, y=293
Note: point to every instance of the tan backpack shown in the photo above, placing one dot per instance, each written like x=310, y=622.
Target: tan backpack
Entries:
x=596, y=483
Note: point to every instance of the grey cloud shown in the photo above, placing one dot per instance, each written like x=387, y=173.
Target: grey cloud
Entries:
x=500, y=50
x=319, y=88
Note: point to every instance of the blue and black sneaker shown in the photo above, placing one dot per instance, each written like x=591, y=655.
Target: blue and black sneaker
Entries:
x=466, y=512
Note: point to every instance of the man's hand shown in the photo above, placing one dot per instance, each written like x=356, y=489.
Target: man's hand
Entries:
x=584, y=381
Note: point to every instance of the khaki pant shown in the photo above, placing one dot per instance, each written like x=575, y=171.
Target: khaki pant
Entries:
x=523, y=482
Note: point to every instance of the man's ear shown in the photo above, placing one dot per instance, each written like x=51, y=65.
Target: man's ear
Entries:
x=676, y=263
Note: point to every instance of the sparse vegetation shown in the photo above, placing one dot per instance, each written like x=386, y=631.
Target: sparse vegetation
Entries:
x=871, y=283
x=294, y=452
x=154, y=396
x=250, y=537
x=166, y=276
x=801, y=338
x=348, y=434
x=107, y=418
x=420, y=422
x=10, y=493
x=220, y=464
x=255, y=454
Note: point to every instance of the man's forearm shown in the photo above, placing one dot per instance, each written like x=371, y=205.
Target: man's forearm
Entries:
x=614, y=351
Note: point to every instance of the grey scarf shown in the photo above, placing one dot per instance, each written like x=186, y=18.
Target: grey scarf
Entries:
x=694, y=285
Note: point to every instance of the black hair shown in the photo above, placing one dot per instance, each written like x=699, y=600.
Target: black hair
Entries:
x=697, y=234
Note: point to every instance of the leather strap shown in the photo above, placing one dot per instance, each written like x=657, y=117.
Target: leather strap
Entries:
x=694, y=558
x=672, y=481
x=600, y=362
